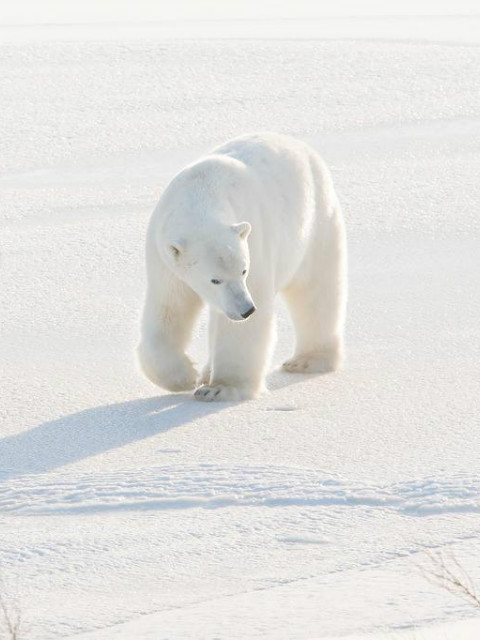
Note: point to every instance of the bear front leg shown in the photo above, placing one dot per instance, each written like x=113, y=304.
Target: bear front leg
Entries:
x=239, y=357
x=207, y=369
x=168, y=318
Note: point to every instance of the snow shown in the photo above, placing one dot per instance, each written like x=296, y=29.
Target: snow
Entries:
x=126, y=512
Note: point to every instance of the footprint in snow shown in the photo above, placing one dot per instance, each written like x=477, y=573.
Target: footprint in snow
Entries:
x=285, y=407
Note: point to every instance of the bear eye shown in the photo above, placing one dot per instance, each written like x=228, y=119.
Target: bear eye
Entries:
x=214, y=281
x=244, y=272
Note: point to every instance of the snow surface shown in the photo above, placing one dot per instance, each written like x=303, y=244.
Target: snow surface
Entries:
x=130, y=513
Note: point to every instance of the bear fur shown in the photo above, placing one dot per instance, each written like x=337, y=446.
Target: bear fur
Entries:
x=255, y=217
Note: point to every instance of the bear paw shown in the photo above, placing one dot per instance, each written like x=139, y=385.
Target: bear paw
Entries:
x=222, y=393
x=173, y=372
x=313, y=363
x=180, y=380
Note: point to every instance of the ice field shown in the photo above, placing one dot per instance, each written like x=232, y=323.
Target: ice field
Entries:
x=130, y=513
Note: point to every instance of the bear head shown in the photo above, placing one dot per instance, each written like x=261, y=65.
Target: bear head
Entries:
x=215, y=264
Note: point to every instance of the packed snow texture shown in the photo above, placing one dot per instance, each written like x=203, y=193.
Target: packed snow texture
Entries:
x=127, y=512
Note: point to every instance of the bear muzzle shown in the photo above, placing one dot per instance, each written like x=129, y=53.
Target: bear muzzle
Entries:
x=248, y=313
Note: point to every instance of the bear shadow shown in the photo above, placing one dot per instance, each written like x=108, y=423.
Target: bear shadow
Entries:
x=87, y=433
x=94, y=431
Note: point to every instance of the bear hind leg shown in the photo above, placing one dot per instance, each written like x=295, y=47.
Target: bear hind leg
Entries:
x=316, y=300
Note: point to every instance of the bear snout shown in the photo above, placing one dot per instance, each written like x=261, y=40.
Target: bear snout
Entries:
x=248, y=313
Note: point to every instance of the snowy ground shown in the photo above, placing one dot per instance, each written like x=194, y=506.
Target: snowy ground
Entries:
x=129, y=513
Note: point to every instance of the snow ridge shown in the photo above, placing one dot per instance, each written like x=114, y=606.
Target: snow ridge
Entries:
x=215, y=486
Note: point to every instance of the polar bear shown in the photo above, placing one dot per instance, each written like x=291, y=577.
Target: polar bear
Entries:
x=255, y=217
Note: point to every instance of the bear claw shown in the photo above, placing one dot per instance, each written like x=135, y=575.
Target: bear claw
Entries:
x=208, y=394
x=223, y=393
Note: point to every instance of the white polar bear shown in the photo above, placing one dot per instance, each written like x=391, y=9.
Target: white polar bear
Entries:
x=200, y=251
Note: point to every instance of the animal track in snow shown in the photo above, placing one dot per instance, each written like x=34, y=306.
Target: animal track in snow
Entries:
x=214, y=486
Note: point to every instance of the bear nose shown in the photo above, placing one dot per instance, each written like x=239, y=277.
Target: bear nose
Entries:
x=248, y=313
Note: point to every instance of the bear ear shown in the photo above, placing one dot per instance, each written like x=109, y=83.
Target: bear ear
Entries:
x=243, y=229
x=175, y=249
